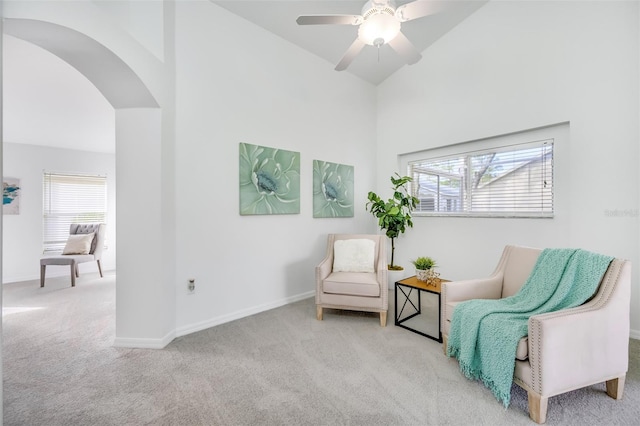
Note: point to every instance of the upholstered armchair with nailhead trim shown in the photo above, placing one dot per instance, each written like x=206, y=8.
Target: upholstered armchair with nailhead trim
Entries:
x=564, y=350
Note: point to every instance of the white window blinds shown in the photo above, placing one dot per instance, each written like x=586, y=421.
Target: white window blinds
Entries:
x=68, y=199
x=509, y=181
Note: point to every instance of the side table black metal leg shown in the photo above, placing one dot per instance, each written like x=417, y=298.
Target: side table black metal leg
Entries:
x=439, y=318
x=396, y=304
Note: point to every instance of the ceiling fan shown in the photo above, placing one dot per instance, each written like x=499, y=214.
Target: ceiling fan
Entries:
x=379, y=24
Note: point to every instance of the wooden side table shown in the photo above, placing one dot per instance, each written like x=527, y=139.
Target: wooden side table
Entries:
x=406, y=287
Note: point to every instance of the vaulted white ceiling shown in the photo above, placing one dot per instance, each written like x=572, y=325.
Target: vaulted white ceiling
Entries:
x=331, y=41
x=44, y=105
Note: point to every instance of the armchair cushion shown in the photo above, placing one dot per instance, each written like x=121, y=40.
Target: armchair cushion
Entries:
x=352, y=283
x=78, y=244
x=355, y=255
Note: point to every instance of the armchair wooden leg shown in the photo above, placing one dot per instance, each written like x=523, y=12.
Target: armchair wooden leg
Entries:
x=319, y=312
x=100, y=268
x=383, y=319
x=43, y=268
x=537, y=407
x=615, y=387
x=445, y=339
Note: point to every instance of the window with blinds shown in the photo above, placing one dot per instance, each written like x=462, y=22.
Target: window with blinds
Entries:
x=70, y=198
x=509, y=181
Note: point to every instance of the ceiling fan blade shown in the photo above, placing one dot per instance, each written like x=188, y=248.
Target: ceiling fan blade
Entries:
x=417, y=9
x=329, y=20
x=350, y=55
x=405, y=48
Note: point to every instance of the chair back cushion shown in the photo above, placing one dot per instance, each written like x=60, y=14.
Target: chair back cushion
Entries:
x=517, y=268
x=354, y=255
x=378, y=240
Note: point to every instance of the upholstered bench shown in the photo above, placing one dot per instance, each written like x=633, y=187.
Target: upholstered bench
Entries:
x=85, y=244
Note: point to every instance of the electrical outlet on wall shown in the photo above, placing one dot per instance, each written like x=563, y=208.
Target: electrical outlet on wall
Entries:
x=191, y=285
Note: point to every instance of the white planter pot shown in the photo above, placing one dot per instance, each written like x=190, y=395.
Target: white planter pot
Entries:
x=394, y=276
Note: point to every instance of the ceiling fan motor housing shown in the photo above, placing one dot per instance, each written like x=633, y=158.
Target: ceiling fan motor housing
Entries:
x=378, y=6
x=379, y=24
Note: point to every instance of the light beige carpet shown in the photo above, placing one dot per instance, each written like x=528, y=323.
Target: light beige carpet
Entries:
x=281, y=367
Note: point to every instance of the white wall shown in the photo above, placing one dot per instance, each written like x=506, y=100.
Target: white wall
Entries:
x=145, y=312
x=514, y=66
x=143, y=20
x=1, y=173
x=22, y=234
x=238, y=83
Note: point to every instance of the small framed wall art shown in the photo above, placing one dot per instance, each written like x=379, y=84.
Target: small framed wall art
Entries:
x=10, y=196
x=332, y=189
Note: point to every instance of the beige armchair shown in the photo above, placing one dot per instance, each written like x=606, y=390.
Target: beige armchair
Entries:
x=340, y=285
x=551, y=359
x=93, y=254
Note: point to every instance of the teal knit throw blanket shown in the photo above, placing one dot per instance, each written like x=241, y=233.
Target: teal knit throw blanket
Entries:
x=484, y=333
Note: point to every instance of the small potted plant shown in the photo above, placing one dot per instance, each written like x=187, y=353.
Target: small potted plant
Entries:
x=424, y=268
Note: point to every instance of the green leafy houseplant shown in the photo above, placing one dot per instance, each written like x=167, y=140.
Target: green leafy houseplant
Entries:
x=424, y=263
x=394, y=215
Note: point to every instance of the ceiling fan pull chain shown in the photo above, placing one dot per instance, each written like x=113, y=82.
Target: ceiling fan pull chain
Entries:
x=377, y=43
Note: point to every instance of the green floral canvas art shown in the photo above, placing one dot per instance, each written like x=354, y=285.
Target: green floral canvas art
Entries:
x=332, y=189
x=269, y=180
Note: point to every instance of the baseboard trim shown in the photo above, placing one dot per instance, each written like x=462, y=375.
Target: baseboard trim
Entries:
x=193, y=328
x=53, y=271
x=144, y=343
x=635, y=334
x=11, y=280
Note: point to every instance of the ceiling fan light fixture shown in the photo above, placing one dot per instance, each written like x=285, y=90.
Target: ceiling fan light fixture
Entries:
x=377, y=27
x=378, y=24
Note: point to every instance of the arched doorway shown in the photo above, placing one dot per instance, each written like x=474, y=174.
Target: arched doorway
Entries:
x=145, y=307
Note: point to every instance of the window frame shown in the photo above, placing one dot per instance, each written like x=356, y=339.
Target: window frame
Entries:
x=556, y=133
x=56, y=222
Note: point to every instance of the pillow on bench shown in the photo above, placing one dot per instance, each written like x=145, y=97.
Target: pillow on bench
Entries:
x=78, y=244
